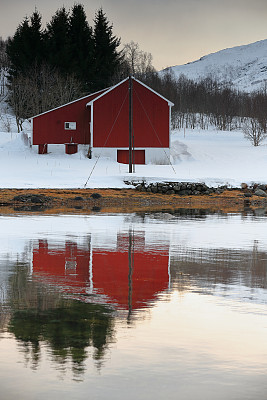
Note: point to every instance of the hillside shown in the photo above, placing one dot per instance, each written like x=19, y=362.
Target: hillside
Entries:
x=245, y=67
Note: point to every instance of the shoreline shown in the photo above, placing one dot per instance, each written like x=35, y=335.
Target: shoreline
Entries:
x=60, y=201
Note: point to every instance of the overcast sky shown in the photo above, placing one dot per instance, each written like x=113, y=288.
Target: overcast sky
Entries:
x=173, y=31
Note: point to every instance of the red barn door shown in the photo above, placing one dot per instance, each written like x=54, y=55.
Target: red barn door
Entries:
x=138, y=156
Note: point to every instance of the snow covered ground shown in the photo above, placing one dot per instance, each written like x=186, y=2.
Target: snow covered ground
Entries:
x=213, y=157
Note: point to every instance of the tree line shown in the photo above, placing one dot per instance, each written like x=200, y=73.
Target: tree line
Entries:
x=68, y=59
x=67, y=44
x=207, y=103
x=64, y=61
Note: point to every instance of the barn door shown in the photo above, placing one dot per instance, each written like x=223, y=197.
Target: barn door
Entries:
x=138, y=156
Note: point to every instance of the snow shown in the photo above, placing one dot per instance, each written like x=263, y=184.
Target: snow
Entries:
x=217, y=157
x=214, y=157
x=243, y=66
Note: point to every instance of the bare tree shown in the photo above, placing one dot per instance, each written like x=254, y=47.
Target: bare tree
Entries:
x=254, y=131
x=138, y=61
x=41, y=89
x=3, y=87
x=4, y=65
x=6, y=121
x=19, y=99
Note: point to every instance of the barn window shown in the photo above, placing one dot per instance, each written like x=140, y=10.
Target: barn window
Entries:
x=70, y=125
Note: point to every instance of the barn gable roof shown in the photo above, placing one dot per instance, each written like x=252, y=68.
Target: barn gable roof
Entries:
x=101, y=93
x=120, y=83
x=71, y=102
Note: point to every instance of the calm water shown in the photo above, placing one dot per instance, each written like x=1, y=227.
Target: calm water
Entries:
x=147, y=306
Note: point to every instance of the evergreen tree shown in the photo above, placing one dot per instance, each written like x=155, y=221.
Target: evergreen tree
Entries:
x=106, y=56
x=69, y=47
x=81, y=46
x=36, y=39
x=26, y=48
x=57, y=41
x=15, y=49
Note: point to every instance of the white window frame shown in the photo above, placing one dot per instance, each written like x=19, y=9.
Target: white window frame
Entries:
x=72, y=126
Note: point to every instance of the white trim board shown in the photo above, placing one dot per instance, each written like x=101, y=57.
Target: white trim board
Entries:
x=90, y=103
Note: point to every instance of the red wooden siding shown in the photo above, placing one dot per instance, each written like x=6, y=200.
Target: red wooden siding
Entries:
x=138, y=156
x=150, y=118
x=110, y=120
x=49, y=127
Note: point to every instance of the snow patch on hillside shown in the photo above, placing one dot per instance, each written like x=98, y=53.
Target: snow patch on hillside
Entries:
x=243, y=66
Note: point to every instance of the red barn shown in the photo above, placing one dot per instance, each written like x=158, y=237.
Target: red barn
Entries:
x=101, y=121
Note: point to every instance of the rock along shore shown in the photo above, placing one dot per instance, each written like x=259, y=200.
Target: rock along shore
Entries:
x=191, y=189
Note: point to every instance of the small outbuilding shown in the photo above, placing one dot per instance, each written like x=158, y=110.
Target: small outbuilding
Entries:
x=128, y=119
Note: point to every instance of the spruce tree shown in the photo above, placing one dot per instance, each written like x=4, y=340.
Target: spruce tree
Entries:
x=57, y=41
x=36, y=39
x=16, y=49
x=81, y=46
x=26, y=48
x=106, y=56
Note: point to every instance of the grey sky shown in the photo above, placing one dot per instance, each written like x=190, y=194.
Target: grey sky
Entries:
x=174, y=31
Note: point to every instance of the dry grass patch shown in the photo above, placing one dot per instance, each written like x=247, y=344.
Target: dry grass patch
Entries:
x=123, y=200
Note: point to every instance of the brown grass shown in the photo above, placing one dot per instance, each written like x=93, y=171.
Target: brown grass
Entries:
x=123, y=200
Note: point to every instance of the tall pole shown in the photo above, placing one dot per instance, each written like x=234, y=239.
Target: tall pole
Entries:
x=130, y=274
x=130, y=125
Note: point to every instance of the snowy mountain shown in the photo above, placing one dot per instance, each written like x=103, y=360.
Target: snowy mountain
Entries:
x=243, y=66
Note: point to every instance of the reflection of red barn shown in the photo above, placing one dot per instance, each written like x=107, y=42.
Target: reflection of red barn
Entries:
x=67, y=266
x=108, y=273
x=101, y=121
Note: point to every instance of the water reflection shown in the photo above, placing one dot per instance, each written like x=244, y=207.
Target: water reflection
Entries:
x=72, y=288
x=124, y=273
x=211, y=267
x=94, y=281
x=38, y=315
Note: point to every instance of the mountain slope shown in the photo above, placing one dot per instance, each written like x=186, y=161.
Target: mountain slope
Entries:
x=243, y=66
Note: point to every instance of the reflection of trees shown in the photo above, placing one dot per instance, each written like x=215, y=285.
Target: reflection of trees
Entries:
x=69, y=329
x=207, y=267
x=68, y=326
x=5, y=291
x=4, y=316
